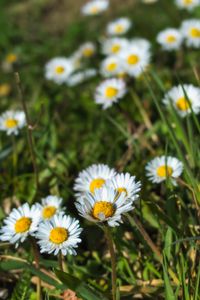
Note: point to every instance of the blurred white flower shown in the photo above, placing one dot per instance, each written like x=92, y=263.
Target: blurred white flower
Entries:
x=111, y=66
x=119, y=26
x=114, y=45
x=170, y=39
x=182, y=104
x=187, y=4
x=81, y=76
x=191, y=32
x=12, y=121
x=94, y=7
x=59, y=69
x=87, y=50
x=109, y=92
x=51, y=205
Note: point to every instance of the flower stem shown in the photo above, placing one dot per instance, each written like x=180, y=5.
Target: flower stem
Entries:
x=37, y=264
x=29, y=129
x=61, y=261
x=113, y=260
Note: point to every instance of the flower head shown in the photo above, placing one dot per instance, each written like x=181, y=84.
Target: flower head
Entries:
x=164, y=167
x=184, y=98
x=21, y=223
x=60, y=234
x=191, y=32
x=95, y=7
x=170, y=39
x=188, y=4
x=119, y=26
x=59, y=69
x=111, y=66
x=12, y=121
x=110, y=91
x=105, y=205
x=114, y=46
x=51, y=205
x=87, y=50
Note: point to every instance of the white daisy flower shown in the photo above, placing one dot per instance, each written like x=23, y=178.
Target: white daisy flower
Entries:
x=140, y=43
x=61, y=234
x=81, y=76
x=105, y=205
x=191, y=32
x=94, y=7
x=170, y=39
x=92, y=178
x=163, y=167
x=87, y=50
x=59, y=69
x=135, y=60
x=111, y=66
x=21, y=222
x=125, y=183
x=182, y=104
x=12, y=121
x=188, y=4
x=110, y=91
x=51, y=205
x=119, y=26
x=114, y=45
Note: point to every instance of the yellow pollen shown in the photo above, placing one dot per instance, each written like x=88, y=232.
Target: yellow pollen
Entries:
x=121, y=190
x=187, y=2
x=119, y=28
x=59, y=69
x=48, y=212
x=58, y=235
x=22, y=225
x=115, y=48
x=111, y=92
x=111, y=67
x=171, y=38
x=87, y=52
x=164, y=171
x=11, y=58
x=11, y=123
x=102, y=210
x=195, y=33
x=182, y=104
x=96, y=184
x=133, y=59
x=94, y=10
x=4, y=89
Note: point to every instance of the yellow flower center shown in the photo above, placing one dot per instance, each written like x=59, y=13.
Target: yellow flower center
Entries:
x=22, y=225
x=195, y=33
x=4, y=89
x=94, y=9
x=58, y=235
x=87, y=52
x=115, y=48
x=102, y=210
x=133, y=59
x=171, y=39
x=121, y=190
x=187, y=2
x=11, y=58
x=11, y=123
x=111, y=67
x=59, y=69
x=48, y=212
x=119, y=28
x=111, y=92
x=182, y=104
x=164, y=171
x=96, y=184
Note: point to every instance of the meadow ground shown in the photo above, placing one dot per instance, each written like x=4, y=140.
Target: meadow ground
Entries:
x=154, y=253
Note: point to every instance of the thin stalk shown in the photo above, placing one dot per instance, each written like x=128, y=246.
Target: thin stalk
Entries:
x=37, y=264
x=61, y=261
x=113, y=260
x=29, y=129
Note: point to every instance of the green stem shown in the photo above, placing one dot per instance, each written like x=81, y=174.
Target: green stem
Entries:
x=37, y=264
x=113, y=260
x=61, y=261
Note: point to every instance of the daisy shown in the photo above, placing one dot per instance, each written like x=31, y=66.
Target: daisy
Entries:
x=135, y=60
x=170, y=39
x=114, y=45
x=5, y=89
x=191, y=32
x=51, y=205
x=111, y=66
x=87, y=50
x=12, y=121
x=59, y=69
x=105, y=205
x=140, y=43
x=80, y=77
x=109, y=92
x=182, y=104
x=61, y=234
x=119, y=26
x=95, y=7
x=163, y=167
x=188, y=4
x=125, y=183
x=92, y=178
x=22, y=222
